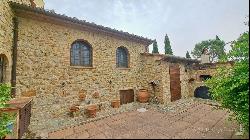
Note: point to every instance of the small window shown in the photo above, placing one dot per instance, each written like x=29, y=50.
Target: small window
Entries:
x=81, y=54
x=205, y=77
x=122, y=57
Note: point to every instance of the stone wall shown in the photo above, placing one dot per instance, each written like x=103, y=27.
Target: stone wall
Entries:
x=44, y=71
x=6, y=33
x=43, y=67
x=208, y=70
x=153, y=68
x=39, y=3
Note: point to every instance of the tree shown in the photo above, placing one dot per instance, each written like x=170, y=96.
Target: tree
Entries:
x=215, y=46
x=188, y=55
x=247, y=22
x=155, y=47
x=168, y=49
x=230, y=86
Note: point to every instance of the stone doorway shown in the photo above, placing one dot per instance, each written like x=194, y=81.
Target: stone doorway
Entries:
x=126, y=96
x=175, y=83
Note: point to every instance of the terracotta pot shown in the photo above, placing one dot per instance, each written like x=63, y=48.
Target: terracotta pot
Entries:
x=91, y=111
x=115, y=103
x=143, y=96
x=74, y=109
x=96, y=95
x=82, y=95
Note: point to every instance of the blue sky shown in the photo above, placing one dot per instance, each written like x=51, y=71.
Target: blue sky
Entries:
x=186, y=22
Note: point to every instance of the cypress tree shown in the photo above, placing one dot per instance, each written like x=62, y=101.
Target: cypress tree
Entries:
x=217, y=38
x=155, y=47
x=188, y=55
x=168, y=49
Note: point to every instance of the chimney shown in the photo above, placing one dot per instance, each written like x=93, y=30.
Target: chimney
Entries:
x=205, y=57
x=37, y=3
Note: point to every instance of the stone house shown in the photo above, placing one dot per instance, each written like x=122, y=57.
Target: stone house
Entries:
x=52, y=57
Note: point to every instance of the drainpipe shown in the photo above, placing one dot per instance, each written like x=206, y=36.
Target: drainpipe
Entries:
x=14, y=57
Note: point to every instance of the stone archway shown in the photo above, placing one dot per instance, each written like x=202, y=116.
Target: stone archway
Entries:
x=4, y=69
x=202, y=92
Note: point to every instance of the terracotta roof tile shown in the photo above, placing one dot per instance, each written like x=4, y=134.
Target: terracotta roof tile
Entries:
x=172, y=58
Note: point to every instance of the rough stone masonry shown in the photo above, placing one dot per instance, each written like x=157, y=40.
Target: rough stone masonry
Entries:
x=43, y=69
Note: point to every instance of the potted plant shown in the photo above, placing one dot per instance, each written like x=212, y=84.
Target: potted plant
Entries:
x=73, y=110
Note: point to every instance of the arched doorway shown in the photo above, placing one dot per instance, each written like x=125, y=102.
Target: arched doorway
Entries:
x=202, y=92
x=3, y=68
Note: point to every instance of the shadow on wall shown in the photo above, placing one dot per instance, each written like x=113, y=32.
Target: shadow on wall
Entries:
x=202, y=92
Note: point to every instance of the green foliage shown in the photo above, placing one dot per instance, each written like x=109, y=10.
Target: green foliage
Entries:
x=168, y=49
x=4, y=118
x=188, y=55
x=155, y=47
x=216, y=49
x=4, y=95
x=230, y=86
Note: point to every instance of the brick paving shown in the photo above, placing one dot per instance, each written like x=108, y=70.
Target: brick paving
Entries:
x=197, y=120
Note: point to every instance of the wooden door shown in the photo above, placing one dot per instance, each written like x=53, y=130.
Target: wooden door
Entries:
x=175, y=83
x=126, y=96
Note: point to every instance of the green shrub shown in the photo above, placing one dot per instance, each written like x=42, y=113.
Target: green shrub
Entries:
x=5, y=118
x=230, y=86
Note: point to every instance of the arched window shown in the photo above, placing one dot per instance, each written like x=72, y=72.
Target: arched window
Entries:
x=122, y=57
x=3, y=68
x=81, y=54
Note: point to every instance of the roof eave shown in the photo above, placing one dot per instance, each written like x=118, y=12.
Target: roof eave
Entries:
x=17, y=6
x=179, y=59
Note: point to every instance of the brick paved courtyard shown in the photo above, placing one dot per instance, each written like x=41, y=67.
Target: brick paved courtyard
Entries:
x=197, y=120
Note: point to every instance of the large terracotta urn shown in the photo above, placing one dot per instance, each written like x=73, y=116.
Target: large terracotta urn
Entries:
x=91, y=111
x=115, y=103
x=143, y=96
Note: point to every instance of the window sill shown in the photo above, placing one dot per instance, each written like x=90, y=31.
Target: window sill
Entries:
x=123, y=68
x=81, y=67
